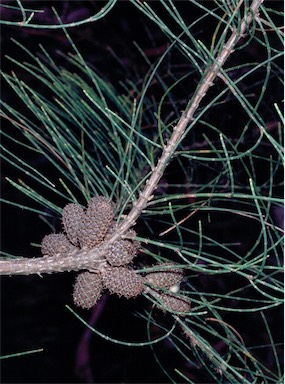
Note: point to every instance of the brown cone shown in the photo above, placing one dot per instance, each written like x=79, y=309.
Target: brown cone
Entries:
x=121, y=253
x=72, y=216
x=122, y=281
x=56, y=243
x=87, y=289
x=173, y=303
x=167, y=277
x=96, y=222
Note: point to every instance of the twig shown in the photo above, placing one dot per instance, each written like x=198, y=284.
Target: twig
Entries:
x=185, y=119
x=89, y=259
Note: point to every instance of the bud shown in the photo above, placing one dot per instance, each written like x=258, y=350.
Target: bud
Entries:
x=56, y=243
x=87, y=289
x=72, y=216
x=122, y=281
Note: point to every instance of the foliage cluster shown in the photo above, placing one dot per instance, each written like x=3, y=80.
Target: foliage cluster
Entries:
x=216, y=208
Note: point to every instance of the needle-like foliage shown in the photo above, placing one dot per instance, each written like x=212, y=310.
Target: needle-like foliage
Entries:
x=212, y=211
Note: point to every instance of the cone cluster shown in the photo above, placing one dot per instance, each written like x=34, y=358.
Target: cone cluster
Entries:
x=88, y=228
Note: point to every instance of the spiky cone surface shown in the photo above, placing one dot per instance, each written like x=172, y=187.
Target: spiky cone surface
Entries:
x=56, y=243
x=173, y=303
x=167, y=277
x=101, y=207
x=112, y=229
x=121, y=252
x=96, y=222
x=87, y=289
x=122, y=281
x=72, y=217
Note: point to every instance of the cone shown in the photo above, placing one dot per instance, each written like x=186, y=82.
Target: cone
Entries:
x=165, y=278
x=72, y=216
x=96, y=222
x=87, y=289
x=120, y=253
x=173, y=303
x=56, y=243
x=122, y=281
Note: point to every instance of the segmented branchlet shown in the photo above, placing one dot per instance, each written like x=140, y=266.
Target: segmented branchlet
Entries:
x=90, y=227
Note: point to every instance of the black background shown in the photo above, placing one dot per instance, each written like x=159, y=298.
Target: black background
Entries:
x=33, y=308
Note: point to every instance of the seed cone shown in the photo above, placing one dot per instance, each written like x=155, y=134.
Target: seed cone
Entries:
x=165, y=278
x=56, y=243
x=173, y=303
x=72, y=216
x=87, y=289
x=96, y=222
x=121, y=253
x=122, y=281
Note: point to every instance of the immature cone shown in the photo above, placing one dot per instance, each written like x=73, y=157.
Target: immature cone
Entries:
x=173, y=303
x=72, y=216
x=87, y=289
x=122, y=281
x=96, y=222
x=167, y=277
x=121, y=253
x=56, y=243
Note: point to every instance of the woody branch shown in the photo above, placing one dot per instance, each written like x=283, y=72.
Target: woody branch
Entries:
x=88, y=259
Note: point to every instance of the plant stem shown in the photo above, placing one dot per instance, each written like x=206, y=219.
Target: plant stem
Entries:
x=89, y=259
x=185, y=119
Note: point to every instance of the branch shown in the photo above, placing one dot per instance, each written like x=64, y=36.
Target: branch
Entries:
x=185, y=119
x=89, y=259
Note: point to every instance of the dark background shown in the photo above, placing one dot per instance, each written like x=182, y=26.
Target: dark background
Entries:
x=33, y=308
